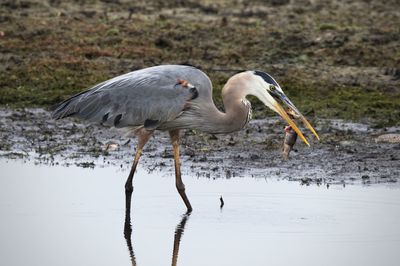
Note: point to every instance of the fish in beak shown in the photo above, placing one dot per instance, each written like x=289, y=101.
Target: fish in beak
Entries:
x=282, y=101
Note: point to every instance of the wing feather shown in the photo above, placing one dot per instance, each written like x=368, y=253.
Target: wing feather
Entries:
x=151, y=94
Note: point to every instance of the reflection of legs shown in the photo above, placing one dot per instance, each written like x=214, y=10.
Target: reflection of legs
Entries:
x=128, y=231
x=177, y=238
x=174, y=134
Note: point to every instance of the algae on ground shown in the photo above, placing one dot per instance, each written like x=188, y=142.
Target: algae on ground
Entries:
x=334, y=59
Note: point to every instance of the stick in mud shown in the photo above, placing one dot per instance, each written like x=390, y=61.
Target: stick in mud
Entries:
x=222, y=202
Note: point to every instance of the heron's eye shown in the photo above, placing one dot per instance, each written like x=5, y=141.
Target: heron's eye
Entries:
x=272, y=88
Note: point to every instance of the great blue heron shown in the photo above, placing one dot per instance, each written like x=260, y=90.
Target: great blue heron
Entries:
x=175, y=97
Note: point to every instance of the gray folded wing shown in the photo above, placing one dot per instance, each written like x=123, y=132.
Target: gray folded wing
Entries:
x=147, y=97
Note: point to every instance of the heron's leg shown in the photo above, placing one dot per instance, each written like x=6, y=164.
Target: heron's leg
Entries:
x=143, y=136
x=174, y=134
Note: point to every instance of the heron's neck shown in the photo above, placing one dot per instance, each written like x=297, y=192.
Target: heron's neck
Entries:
x=237, y=109
x=205, y=116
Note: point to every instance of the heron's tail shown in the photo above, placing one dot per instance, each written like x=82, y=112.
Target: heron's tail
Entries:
x=69, y=107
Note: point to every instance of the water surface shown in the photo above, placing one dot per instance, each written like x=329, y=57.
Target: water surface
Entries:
x=74, y=216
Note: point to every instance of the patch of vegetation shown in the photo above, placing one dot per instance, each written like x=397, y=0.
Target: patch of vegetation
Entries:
x=318, y=51
x=350, y=103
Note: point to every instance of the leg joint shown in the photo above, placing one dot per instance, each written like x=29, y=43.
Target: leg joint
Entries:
x=137, y=155
x=180, y=187
x=128, y=187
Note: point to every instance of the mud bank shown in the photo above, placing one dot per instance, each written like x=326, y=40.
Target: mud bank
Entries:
x=347, y=152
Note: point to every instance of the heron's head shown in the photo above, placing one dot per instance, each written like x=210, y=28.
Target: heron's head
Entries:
x=265, y=88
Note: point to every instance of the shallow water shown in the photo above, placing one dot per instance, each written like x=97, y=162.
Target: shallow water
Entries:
x=73, y=216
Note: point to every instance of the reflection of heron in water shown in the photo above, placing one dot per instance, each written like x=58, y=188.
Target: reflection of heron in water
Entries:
x=180, y=228
x=128, y=232
x=172, y=98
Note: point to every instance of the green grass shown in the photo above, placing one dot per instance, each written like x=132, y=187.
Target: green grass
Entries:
x=350, y=103
x=51, y=50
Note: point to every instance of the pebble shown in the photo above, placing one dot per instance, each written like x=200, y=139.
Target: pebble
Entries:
x=111, y=147
x=346, y=143
x=388, y=138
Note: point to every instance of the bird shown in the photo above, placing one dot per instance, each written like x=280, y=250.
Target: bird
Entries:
x=174, y=98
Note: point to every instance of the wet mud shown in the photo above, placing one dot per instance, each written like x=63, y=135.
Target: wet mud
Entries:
x=347, y=153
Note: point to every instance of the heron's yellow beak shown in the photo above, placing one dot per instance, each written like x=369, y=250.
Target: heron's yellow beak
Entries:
x=292, y=112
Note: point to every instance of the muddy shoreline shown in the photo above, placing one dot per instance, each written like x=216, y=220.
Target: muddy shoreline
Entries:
x=347, y=153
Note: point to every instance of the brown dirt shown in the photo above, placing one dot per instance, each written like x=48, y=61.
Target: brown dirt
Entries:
x=335, y=59
x=347, y=152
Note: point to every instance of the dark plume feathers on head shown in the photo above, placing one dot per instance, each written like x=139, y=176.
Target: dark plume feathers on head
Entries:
x=266, y=77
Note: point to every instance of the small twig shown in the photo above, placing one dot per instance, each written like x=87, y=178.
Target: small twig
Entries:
x=222, y=202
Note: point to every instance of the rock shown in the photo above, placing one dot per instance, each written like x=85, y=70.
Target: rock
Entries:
x=189, y=152
x=388, y=138
x=346, y=143
x=110, y=146
x=254, y=156
x=85, y=164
